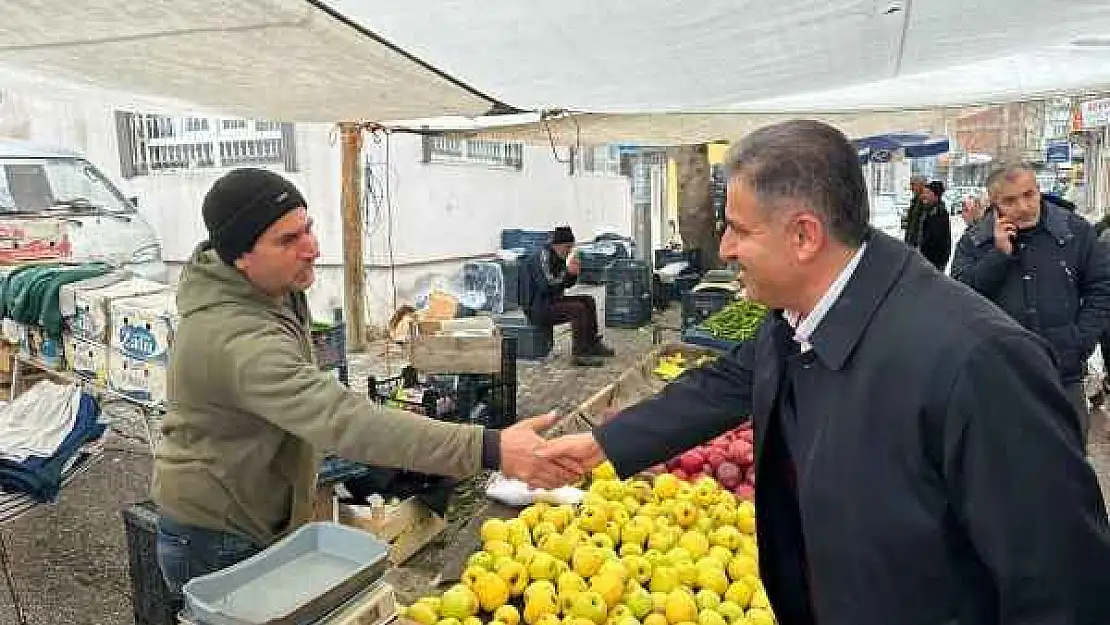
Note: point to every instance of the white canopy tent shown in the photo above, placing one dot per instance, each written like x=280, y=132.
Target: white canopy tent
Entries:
x=332, y=60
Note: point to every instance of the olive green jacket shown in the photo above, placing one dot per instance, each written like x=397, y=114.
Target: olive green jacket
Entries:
x=250, y=415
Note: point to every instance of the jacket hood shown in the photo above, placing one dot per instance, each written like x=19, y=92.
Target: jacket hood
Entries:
x=207, y=282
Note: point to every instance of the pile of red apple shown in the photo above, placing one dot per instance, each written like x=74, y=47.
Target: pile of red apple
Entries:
x=729, y=459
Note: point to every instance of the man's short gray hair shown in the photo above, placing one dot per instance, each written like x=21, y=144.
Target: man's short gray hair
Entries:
x=811, y=162
x=1006, y=170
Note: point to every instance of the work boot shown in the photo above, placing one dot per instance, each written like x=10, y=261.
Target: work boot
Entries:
x=587, y=361
x=602, y=350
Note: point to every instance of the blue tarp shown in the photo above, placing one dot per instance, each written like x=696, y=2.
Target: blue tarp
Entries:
x=879, y=147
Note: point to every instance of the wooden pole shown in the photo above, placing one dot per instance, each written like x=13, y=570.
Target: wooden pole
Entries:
x=354, y=273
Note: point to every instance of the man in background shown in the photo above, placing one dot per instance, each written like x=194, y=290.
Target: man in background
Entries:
x=1041, y=263
x=547, y=274
x=911, y=224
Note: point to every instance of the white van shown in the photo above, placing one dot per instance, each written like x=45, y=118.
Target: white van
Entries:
x=57, y=206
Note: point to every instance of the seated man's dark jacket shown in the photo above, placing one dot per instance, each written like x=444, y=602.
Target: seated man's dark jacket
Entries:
x=543, y=279
x=942, y=481
x=1056, y=283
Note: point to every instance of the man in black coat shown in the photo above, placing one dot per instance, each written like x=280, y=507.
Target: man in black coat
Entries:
x=545, y=277
x=1042, y=264
x=918, y=461
x=935, y=240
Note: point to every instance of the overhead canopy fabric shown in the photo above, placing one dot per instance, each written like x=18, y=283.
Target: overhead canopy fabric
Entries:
x=912, y=145
x=670, y=129
x=285, y=60
x=336, y=60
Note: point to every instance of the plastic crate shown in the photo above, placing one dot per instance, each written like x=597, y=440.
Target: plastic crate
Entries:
x=510, y=271
x=697, y=306
x=483, y=399
x=684, y=283
x=532, y=342
x=665, y=257
x=628, y=278
x=703, y=338
x=627, y=312
x=151, y=599
x=329, y=341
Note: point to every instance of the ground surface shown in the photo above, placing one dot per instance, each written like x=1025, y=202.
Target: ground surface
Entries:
x=70, y=560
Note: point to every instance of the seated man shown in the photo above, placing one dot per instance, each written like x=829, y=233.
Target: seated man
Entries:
x=545, y=275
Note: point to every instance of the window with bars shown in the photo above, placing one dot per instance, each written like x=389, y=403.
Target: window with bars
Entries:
x=595, y=159
x=151, y=143
x=453, y=149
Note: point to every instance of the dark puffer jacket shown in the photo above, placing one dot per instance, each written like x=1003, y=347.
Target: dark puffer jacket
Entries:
x=1056, y=283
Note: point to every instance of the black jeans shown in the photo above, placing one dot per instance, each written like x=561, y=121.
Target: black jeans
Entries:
x=185, y=552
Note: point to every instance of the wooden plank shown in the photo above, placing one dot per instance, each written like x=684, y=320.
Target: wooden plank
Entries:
x=354, y=274
x=631, y=386
x=457, y=354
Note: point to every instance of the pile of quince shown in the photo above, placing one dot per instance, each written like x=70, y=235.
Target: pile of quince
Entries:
x=635, y=552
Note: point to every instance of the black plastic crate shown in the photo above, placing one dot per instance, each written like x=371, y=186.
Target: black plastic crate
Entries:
x=532, y=342
x=151, y=599
x=628, y=312
x=510, y=270
x=628, y=278
x=329, y=341
x=697, y=306
x=684, y=283
x=484, y=399
x=666, y=257
x=593, y=268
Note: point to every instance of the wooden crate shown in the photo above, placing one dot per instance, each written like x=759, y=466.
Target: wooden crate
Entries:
x=633, y=385
x=457, y=354
x=407, y=527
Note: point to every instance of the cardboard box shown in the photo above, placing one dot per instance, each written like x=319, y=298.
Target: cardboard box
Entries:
x=87, y=359
x=143, y=327
x=137, y=378
x=91, y=319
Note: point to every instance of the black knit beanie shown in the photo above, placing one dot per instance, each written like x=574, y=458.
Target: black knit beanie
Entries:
x=241, y=205
x=562, y=235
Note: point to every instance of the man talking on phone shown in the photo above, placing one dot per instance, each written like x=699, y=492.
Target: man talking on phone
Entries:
x=1041, y=264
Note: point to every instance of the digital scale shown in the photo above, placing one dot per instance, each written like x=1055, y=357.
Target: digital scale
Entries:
x=376, y=605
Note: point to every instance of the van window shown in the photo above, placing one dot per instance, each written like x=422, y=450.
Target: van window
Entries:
x=32, y=185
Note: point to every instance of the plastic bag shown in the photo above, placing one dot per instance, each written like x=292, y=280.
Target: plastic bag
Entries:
x=513, y=492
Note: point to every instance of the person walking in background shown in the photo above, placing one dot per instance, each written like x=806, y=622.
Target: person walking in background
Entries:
x=935, y=239
x=911, y=224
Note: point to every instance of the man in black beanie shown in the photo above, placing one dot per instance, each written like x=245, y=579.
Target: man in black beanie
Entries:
x=547, y=274
x=252, y=415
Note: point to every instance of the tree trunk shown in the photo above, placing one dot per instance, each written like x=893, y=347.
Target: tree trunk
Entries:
x=697, y=223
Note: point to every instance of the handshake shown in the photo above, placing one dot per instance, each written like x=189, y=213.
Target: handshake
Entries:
x=542, y=463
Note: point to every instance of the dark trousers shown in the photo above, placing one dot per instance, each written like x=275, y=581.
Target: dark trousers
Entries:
x=580, y=311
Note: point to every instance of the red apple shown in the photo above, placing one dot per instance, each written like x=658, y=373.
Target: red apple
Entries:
x=747, y=435
x=673, y=463
x=744, y=491
x=728, y=474
x=715, y=457
x=691, y=461
x=680, y=474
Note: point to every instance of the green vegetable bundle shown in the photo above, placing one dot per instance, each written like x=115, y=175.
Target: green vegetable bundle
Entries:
x=736, y=322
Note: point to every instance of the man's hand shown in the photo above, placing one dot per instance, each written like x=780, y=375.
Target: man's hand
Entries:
x=1004, y=233
x=521, y=458
x=574, y=265
x=582, y=449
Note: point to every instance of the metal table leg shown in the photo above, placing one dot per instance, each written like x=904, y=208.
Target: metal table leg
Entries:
x=5, y=563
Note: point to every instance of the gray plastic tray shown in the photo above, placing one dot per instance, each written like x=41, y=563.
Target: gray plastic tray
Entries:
x=296, y=581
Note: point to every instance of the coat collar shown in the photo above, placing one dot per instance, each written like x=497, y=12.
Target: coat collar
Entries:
x=844, y=324
x=1055, y=221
